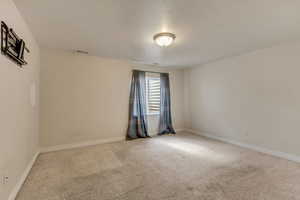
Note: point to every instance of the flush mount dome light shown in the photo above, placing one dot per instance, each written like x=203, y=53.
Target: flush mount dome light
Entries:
x=164, y=39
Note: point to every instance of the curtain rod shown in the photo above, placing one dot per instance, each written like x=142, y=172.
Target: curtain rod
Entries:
x=152, y=72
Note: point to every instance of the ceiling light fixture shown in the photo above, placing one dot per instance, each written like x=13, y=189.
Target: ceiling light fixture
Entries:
x=164, y=39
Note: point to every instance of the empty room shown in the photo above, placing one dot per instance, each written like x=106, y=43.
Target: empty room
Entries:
x=150, y=100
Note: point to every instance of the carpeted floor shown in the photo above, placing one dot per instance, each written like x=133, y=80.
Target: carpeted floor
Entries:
x=181, y=167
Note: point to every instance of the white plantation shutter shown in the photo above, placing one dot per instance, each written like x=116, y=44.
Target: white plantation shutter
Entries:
x=153, y=93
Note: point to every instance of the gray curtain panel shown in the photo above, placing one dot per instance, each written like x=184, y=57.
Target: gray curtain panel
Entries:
x=165, y=121
x=137, y=125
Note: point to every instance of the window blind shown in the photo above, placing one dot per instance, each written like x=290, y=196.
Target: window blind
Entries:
x=153, y=94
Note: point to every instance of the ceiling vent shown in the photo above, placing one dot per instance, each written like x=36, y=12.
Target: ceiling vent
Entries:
x=81, y=52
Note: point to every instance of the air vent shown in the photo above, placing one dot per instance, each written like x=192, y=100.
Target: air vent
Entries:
x=81, y=52
x=141, y=62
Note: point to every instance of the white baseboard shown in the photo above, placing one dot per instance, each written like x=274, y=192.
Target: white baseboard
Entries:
x=22, y=179
x=80, y=144
x=180, y=130
x=18, y=186
x=279, y=154
x=89, y=143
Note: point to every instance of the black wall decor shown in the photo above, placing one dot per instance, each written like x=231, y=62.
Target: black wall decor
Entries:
x=12, y=46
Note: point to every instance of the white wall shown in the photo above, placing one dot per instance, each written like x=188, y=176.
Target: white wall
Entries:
x=253, y=98
x=18, y=118
x=86, y=98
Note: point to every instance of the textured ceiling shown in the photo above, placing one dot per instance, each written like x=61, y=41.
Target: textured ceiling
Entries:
x=206, y=30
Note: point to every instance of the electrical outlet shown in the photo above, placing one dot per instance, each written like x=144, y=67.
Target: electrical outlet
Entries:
x=4, y=180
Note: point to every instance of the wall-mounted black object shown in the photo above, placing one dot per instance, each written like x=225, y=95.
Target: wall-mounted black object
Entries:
x=12, y=46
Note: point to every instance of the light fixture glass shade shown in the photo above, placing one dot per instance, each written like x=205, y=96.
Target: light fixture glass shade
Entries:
x=164, y=39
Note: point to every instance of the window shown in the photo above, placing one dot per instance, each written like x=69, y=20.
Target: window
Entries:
x=153, y=93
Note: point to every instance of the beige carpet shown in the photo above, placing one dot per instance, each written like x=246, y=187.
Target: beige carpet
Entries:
x=181, y=167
